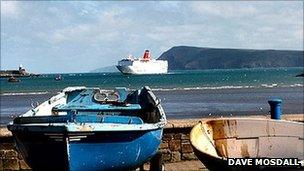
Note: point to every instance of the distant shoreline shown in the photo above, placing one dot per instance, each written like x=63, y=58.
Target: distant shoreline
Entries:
x=189, y=57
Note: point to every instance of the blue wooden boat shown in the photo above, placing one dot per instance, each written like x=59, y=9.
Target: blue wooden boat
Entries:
x=90, y=129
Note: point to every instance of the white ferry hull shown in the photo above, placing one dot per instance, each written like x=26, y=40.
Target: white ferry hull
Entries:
x=144, y=67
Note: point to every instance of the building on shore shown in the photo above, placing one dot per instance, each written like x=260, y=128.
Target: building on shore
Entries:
x=21, y=72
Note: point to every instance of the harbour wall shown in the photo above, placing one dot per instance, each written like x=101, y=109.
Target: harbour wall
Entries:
x=175, y=144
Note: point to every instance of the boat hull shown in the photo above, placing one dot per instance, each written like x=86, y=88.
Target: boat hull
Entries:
x=144, y=67
x=214, y=141
x=117, y=150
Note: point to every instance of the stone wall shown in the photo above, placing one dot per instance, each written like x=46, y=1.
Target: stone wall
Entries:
x=9, y=157
x=175, y=144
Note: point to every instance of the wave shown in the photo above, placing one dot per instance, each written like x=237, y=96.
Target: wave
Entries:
x=173, y=89
x=269, y=85
x=226, y=87
x=201, y=88
x=295, y=85
x=24, y=93
x=276, y=85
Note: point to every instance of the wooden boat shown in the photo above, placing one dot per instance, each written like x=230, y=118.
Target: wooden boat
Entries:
x=215, y=141
x=90, y=129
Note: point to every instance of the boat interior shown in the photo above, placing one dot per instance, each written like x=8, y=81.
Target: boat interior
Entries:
x=92, y=105
x=254, y=138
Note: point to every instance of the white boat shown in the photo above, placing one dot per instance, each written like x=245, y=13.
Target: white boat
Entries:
x=145, y=65
x=216, y=141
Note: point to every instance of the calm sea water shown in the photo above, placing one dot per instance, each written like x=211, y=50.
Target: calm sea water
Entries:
x=205, y=79
x=184, y=94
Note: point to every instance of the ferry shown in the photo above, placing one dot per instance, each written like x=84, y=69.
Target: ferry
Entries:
x=145, y=65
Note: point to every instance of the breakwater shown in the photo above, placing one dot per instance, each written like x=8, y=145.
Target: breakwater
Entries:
x=175, y=146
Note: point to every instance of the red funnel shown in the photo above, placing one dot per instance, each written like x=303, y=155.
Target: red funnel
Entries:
x=146, y=55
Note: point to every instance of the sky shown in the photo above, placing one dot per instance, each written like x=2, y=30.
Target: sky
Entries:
x=80, y=36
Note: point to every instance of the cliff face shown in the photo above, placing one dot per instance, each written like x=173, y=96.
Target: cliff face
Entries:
x=196, y=58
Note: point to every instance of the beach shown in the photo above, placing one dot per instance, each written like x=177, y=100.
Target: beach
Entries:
x=185, y=104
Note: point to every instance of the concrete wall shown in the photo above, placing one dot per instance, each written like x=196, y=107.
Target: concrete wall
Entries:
x=175, y=144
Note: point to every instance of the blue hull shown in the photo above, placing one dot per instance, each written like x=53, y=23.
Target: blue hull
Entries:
x=88, y=151
x=91, y=129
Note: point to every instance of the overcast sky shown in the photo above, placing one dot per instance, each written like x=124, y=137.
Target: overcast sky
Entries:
x=79, y=36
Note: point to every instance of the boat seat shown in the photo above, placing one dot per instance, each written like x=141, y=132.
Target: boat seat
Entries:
x=122, y=119
x=122, y=92
x=89, y=118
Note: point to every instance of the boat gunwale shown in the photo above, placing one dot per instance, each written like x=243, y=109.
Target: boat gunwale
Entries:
x=249, y=119
x=91, y=127
x=52, y=102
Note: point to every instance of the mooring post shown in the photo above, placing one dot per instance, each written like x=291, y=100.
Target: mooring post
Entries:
x=275, y=108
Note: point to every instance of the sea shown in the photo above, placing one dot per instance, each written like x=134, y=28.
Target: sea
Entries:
x=183, y=94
